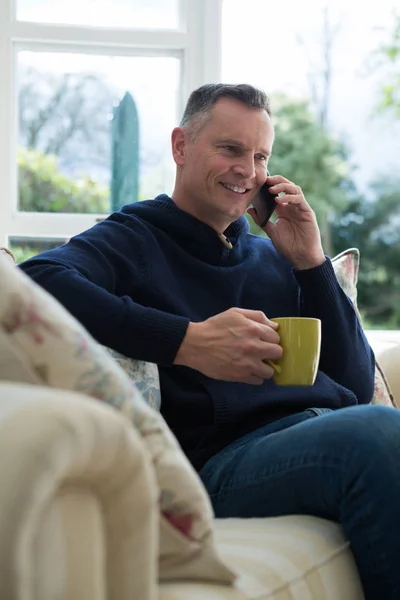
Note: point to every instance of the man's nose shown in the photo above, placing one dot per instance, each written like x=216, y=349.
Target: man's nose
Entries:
x=245, y=168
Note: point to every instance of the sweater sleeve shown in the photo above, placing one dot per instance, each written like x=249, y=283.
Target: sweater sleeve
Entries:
x=346, y=356
x=90, y=277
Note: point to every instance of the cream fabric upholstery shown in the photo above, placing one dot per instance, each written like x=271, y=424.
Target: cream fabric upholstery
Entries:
x=389, y=360
x=78, y=517
x=79, y=514
x=78, y=500
x=285, y=558
x=40, y=339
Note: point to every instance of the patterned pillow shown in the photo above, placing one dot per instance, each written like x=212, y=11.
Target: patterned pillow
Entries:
x=40, y=342
x=143, y=374
x=346, y=265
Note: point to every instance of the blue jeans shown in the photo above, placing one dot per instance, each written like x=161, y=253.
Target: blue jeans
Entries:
x=342, y=465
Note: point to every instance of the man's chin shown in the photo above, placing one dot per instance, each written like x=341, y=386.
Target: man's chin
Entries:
x=235, y=214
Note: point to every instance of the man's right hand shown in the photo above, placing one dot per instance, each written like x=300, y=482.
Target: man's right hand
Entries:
x=232, y=346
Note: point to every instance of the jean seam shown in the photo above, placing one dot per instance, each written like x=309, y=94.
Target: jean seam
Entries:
x=262, y=476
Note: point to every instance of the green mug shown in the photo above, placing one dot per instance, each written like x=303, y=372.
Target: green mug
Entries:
x=300, y=338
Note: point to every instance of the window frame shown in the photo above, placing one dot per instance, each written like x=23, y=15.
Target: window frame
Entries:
x=197, y=43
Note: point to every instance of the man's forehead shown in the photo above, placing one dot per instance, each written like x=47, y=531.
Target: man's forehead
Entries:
x=230, y=111
x=242, y=124
x=227, y=105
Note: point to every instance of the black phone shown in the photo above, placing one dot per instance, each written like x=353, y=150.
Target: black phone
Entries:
x=264, y=204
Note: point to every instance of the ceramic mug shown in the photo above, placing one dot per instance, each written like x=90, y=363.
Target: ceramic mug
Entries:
x=300, y=338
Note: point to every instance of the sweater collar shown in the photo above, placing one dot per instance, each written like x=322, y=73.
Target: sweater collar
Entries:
x=193, y=235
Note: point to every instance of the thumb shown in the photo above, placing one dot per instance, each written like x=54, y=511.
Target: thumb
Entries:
x=253, y=213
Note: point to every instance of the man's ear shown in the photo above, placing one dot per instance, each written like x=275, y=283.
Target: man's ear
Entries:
x=178, y=143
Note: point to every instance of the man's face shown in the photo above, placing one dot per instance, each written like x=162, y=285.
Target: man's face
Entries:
x=225, y=165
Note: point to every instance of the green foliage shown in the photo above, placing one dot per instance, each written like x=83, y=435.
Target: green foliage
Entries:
x=24, y=248
x=388, y=62
x=66, y=114
x=42, y=188
x=373, y=226
x=310, y=156
x=22, y=253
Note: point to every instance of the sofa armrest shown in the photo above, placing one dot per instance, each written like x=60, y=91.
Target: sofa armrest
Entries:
x=389, y=361
x=78, y=500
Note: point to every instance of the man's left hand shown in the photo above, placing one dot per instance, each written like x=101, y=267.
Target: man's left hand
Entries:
x=295, y=234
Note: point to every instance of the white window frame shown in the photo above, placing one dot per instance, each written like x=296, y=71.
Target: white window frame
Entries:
x=197, y=42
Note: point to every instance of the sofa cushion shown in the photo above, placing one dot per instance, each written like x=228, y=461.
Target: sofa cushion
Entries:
x=283, y=558
x=50, y=346
x=346, y=266
x=143, y=374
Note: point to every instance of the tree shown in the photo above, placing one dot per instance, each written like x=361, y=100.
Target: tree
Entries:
x=67, y=115
x=310, y=156
x=388, y=63
x=42, y=188
x=319, y=76
x=320, y=70
x=373, y=226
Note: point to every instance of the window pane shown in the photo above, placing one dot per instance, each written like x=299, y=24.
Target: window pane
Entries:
x=333, y=73
x=325, y=55
x=66, y=107
x=154, y=14
x=26, y=247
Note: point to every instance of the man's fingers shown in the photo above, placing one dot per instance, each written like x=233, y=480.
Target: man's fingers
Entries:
x=253, y=380
x=276, y=179
x=268, y=335
x=292, y=199
x=263, y=371
x=270, y=350
x=258, y=316
x=258, y=374
x=286, y=188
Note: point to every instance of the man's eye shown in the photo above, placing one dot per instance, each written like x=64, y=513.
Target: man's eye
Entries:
x=261, y=157
x=231, y=148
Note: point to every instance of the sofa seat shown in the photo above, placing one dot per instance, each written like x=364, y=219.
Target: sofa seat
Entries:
x=285, y=558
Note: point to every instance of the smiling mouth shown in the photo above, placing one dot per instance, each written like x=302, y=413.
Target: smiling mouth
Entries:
x=235, y=188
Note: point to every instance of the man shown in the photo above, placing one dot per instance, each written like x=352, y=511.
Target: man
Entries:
x=180, y=282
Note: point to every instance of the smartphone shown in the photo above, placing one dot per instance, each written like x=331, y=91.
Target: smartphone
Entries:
x=264, y=204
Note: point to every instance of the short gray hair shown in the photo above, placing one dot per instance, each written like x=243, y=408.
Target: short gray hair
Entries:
x=201, y=101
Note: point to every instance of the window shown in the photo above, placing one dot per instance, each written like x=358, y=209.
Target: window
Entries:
x=84, y=82
x=287, y=49
x=65, y=109
x=320, y=65
x=153, y=14
x=24, y=248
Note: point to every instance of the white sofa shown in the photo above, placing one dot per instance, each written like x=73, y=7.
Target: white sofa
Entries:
x=78, y=514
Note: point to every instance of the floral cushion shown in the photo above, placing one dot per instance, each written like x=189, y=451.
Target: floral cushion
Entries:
x=346, y=265
x=144, y=374
x=40, y=342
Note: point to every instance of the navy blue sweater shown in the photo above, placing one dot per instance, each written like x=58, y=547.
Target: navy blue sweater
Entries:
x=136, y=279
